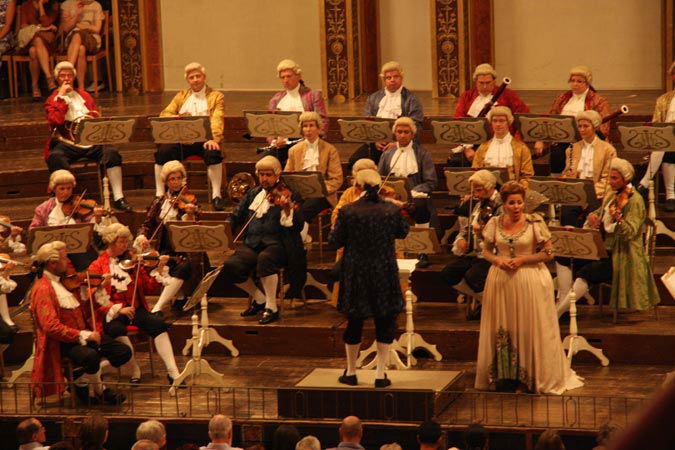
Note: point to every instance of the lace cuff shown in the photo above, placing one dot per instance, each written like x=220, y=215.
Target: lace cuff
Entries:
x=163, y=278
x=7, y=285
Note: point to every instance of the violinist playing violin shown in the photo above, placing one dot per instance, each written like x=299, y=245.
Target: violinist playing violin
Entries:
x=176, y=204
x=122, y=296
x=7, y=326
x=10, y=237
x=467, y=264
x=622, y=217
x=59, y=209
x=273, y=221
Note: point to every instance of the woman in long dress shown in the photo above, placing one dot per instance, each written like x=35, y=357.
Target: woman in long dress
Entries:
x=519, y=347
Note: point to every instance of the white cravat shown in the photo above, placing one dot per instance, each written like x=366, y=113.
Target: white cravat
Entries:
x=76, y=106
x=57, y=217
x=168, y=212
x=585, y=167
x=66, y=298
x=500, y=152
x=260, y=205
x=670, y=115
x=196, y=104
x=575, y=105
x=291, y=101
x=404, y=161
x=311, y=160
x=119, y=278
x=390, y=105
x=478, y=104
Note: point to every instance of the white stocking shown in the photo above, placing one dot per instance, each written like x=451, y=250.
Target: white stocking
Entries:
x=304, y=234
x=269, y=284
x=251, y=289
x=654, y=162
x=580, y=288
x=382, y=359
x=163, y=344
x=132, y=364
x=564, y=275
x=115, y=177
x=159, y=185
x=352, y=351
x=215, y=173
x=668, y=170
x=4, y=310
x=168, y=294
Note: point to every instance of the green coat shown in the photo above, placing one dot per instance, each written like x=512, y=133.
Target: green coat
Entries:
x=633, y=285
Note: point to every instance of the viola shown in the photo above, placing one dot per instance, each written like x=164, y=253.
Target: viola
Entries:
x=72, y=279
x=279, y=192
x=78, y=207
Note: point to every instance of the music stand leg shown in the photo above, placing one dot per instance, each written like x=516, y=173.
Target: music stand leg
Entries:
x=311, y=281
x=574, y=343
x=27, y=367
x=207, y=335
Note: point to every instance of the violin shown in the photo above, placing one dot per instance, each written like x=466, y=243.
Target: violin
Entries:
x=78, y=207
x=279, y=192
x=186, y=198
x=72, y=280
x=620, y=201
x=5, y=259
x=149, y=260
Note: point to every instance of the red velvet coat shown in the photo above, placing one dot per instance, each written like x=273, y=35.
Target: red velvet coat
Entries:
x=53, y=325
x=508, y=98
x=56, y=110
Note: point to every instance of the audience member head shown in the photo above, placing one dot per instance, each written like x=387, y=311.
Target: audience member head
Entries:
x=145, y=444
x=308, y=443
x=476, y=437
x=93, y=432
x=220, y=429
x=31, y=430
x=152, y=430
x=429, y=434
x=351, y=429
x=62, y=445
x=285, y=437
x=392, y=446
x=549, y=440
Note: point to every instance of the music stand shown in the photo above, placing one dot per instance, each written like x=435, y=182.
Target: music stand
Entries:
x=181, y=130
x=401, y=186
x=649, y=137
x=468, y=131
x=366, y=129
x=277, y=123
x=568, y=192
x=104, y=131
x=418, y=240
x=307, y=184
x=77, y=237
x=547, y=128
x=580, y=244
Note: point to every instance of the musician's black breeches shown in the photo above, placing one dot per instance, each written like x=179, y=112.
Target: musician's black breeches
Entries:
x=171, y=152
x=312, y=207
x=62, y=155
x=472, y=269
x=151, y=324
x=268, y=261
x=596, y=272
x=385, y=329
x=6, y=333
x=182, y=270
x=88, y=357
x=422, y=212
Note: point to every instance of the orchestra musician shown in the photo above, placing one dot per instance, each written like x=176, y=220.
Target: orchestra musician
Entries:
x=503, y=150
x=587, y=159
x=176, y=204
x=315, y=155
x=271, y=241
x=122, y=299
x=198, y=100
x=664, y=111
x=467, y=263
x=7, y=326
x=622, y=217
x=582, y=96
x=294, y=97
x=59, y=209
x=65, y=107
x=408, y=159
x=63, y=326
x=367, y=229
x=10, y=237
x=391, y=102
x=473, y=101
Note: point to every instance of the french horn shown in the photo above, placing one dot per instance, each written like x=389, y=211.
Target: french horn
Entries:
x=238, y=185
x=73, y=130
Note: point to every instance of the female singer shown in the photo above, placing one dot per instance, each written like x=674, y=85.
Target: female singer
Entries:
x=122, y=298
x=622, y=216
x=176, y=204
x=519, y=347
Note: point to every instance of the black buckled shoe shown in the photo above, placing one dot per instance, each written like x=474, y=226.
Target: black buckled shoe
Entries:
x=218, y=204
x=82, y=395
x=122, y=205
x=111, y=398
x=382, y=382
x=422, y=260
x=180, y=386
x=253, y=309
x=269, y=316
x=348, y=379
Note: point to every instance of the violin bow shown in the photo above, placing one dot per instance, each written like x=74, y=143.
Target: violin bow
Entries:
x=91, y=302
x=161, y=220
x=76, y=205
x=391, y=168
x=248, y=222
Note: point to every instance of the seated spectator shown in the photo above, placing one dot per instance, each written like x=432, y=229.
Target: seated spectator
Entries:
x=81, y=22
x=285, y=437
x=220, y=433
x=549, y=440
x=93, y=432
x=31, y=435
x=429, y=435
x=145, y=444
x=351, y=433
x=152, y=430
x=308, y=443
x=392, y=446
x=476, y=437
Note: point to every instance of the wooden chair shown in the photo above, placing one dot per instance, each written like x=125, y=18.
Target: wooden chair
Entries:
x=23, y=57
x=104, y=52
x=324, y=227
x=7, y=62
